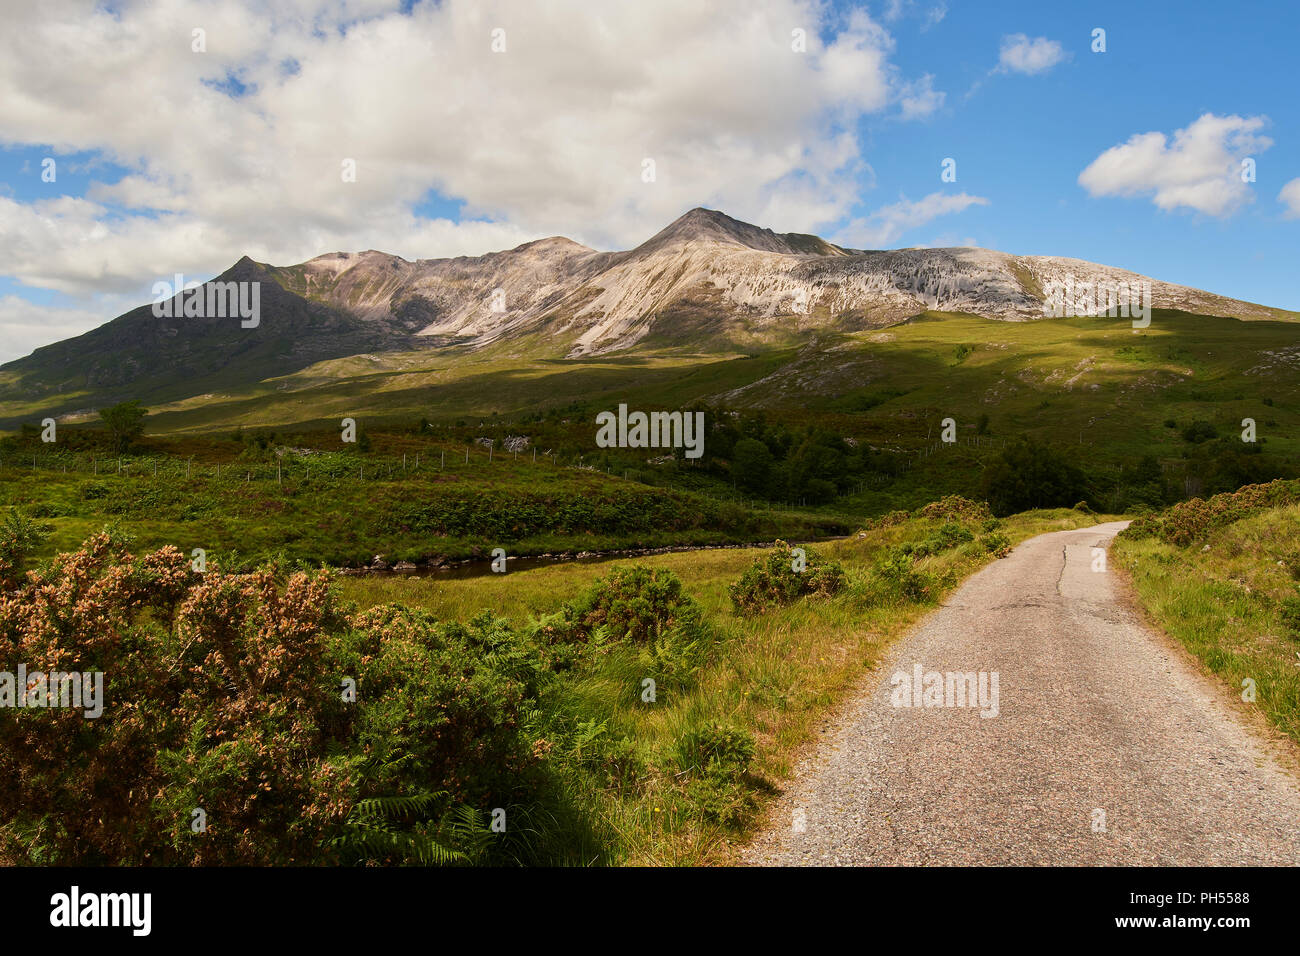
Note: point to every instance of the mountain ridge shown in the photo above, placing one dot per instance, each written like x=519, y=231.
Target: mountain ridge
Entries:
x=610, y=299
x=706, y=283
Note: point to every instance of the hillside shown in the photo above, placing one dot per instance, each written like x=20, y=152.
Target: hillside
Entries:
x=707, y=285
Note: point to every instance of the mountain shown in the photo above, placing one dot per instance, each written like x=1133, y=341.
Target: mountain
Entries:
x=707, y=283
x=705, y=276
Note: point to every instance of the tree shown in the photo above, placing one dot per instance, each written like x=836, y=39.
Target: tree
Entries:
x=125, y=422
x=751, y=464
x=1199, y=431
x=1029, y=475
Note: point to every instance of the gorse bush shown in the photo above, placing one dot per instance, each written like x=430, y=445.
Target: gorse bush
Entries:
x=949, y=535
x=1190, y=521
x=996, y=543
x=773, y=581
x=955, y=508
x=897, y=577
x=644, y=608
x=887, y=520
x=443, y=702
x=717, y=758
x=714, y=745
x=218, y=699
x=19, y=536
x=636, y=604
x=223, y=705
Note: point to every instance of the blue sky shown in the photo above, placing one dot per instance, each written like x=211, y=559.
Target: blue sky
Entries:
x=176, y=159
x=1022, y=140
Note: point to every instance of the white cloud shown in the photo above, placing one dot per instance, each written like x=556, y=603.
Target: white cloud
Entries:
x=1290, y=197
x=882, y=228
x=548, y=137
x=1200, y=169
x=1020, y=54
x=920, y=98
x=895, y=9
x=27, y=325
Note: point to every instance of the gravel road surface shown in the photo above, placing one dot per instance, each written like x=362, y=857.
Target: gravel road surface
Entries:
x=1107, y=746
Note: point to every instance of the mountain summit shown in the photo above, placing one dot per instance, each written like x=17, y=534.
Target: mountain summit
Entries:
x=711, y=226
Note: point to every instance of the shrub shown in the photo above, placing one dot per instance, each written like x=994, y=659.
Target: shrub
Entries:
x=1198, y=432
x=1188, y=521
x=887, y=520
x=900, y=576
x=222, y=693
x=713, y=745
x=217, y=698
x=443, y=702
x=955, y=508
x=636, y=604
x=949, y=535
x=19, y=536
x=718, y=759
x=772, y=581
x=996, y=543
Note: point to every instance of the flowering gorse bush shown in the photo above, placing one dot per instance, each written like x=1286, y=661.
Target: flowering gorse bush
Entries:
x=635, y=607
x=772, y=581
x=1189, y=521
x=227, y=734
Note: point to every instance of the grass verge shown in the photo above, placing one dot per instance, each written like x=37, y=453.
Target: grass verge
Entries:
x=1225, y=595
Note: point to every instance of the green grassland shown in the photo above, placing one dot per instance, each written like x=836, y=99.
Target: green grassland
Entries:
x=1105, y=395
x=1094, y=381
x=773, y=676
x=1229, y=595
x=252, y=473
x=343, y=510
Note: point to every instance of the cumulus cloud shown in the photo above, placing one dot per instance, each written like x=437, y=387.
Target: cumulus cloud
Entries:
x=27, y=325
x=920, y=98
x=882, y=228
x=239, y=149
x=1290, y=197
x=1020, y=54
x=1199, y=169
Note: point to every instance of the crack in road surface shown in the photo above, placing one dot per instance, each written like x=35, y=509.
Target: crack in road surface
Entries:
x=1107, y=746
